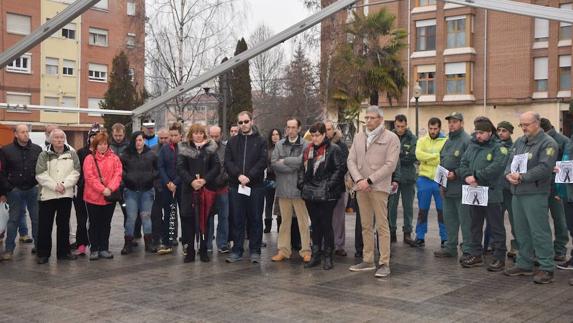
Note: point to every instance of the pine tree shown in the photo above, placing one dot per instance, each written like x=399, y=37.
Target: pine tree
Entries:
x=121, y=93
x=241, y=97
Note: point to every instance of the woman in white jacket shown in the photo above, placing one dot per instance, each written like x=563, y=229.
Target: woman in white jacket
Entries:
x=57, y=171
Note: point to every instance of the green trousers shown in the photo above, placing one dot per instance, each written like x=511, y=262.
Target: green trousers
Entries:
x=506, y=206
x=456, y=217
x=559, y=225
x=532, y=230
x=407, y=192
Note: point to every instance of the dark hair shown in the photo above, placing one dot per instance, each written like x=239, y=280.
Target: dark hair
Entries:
x=99, y=138
x=434, y=121
x=176, y=126
x=270, y=137
x=298, y=123
x=401, y=118
x=318, y=127
x=131, y=148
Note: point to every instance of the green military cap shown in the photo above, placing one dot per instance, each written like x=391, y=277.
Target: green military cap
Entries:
x=505, y=125
x=456, y=115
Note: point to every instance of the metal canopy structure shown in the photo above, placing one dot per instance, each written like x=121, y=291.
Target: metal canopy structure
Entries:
x=46, y=30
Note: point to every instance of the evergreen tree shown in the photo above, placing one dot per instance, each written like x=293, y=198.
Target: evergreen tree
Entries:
x=241, y=97
x=121, y=93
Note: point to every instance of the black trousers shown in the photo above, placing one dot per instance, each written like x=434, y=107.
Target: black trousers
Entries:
x=60, y=210
x=156, y=216
x=82, y=220
x=321, y=222
x=189, y=233
x=358, y=243
x=100, y=225
x=492, y=214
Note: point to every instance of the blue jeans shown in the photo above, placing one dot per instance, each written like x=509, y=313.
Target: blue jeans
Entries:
x=138, y=201
x=222, y=209
x=247, y=209
x=22, y=225
x=18, y=199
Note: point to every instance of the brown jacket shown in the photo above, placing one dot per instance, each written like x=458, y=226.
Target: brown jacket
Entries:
x=378, y=162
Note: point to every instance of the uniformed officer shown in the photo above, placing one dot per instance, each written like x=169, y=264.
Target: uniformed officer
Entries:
x=455, y=214
x=504, y=132
x=407, y=179
x=483, y=164
x=530, y=188
x=555, y=203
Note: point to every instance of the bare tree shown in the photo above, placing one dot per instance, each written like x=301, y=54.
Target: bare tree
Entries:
x=185, y=39
x=266, y=68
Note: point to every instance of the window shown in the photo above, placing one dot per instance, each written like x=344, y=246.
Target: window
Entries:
x=23, y=64
x=93, y=103
x=131, y=7
x=565, y=73
x=426, y=77
x=424, y=3
x=69, y=67
x=130, y=41
x=456, y=78
x=98, y=37
x=69, y=101
x=18, y=98
x=457, y=33
x=97, y=72
x=541, y=33
x=18, y=24
x=69, y=31
x=52, y=66
x=565, y=28
x=426, y=35
x=51, y=101
x=540, y=65
x=101, y=5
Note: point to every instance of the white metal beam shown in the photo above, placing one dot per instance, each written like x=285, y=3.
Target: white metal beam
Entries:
x=520, y=8
x=243, y=57
x=46, y=30
x=27, y=107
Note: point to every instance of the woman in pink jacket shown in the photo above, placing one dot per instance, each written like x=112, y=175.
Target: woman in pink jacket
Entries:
x=96, y=189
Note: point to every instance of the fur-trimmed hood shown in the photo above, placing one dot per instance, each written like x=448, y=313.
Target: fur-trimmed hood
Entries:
x=189, y=149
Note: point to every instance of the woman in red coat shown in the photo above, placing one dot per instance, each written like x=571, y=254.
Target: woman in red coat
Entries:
x=96, y=189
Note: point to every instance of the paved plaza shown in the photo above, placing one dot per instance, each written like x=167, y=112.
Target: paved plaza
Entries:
x=150, y=288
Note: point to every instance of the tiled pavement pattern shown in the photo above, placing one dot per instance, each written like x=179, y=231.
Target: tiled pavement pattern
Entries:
x=151, y=288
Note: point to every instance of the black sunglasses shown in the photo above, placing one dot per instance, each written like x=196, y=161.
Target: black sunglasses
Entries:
x=244, y=122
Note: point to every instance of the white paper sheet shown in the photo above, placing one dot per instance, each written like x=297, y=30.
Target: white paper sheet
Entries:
x=245, y=190
x=519, y=164
x=475, y=195
x=441, y=176
x=565, y=174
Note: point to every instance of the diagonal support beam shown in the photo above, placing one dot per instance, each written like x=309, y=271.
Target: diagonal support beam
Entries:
x=46, y=30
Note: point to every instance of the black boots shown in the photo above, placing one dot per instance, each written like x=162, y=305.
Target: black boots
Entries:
x=327, y=265
x=315, y=258
x=268, y=225
x=203, y=254
x=190, y=256
x=127, y=246
x=149, y=246
x=393, y=237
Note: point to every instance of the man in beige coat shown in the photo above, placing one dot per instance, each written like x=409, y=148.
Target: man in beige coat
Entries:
x=371, y=162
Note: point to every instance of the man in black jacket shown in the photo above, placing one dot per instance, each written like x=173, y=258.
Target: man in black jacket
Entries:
x=245, y=162
x=22, y=191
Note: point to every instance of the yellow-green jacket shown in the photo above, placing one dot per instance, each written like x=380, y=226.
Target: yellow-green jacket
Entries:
x=428, y=154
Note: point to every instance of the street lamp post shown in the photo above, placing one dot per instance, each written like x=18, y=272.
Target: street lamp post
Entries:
x=417, y=94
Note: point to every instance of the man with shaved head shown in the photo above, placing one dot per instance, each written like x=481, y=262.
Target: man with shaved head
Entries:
x=530, y=187
x=22, y=191
x=222, y=200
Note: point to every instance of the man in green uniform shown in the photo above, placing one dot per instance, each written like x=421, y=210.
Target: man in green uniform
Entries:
x=483, y=164
x=455, y=214
x=530, y=186
x=407, y=179
x=555, y=203
x=504, y=132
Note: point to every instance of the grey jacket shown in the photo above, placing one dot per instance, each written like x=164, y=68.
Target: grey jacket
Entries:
x=286, y=161
x=542, y=151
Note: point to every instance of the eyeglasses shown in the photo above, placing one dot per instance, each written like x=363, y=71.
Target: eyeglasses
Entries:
x=244, y=122
x=525, y=125
x=371, y=118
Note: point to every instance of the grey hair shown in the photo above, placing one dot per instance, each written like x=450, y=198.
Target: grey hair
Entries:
x=375, y=109
x=54, y=132
x=164, y=130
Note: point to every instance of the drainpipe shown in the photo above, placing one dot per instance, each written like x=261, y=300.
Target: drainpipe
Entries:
x=408, y=60
x=485, y=65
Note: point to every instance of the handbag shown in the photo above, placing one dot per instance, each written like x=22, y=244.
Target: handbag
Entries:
x=115, y=196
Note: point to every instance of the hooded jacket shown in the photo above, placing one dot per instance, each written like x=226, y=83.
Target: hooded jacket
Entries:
x=139, y=169
x=246, y=155
x=193, y=161
x=20, y=165
x=111, y=171
x=428, y=154
x=54, y=168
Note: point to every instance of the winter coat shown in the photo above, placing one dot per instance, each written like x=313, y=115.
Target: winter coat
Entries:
x=54, y=168
x=428, y=154
x=327, y=183
x=270, y=175
x=139, y=170
x=507, y=144
x=222, y=179
x=286, y=162
x=378, y=162
x=407, y=157
x=20, y=165
x=82, y=154
x=111, y=172
x=3, y=181
x=562, y=143
x=167, y=162
x=486, y=162
x=119, y=148
x=246, y=155
x=451, y=157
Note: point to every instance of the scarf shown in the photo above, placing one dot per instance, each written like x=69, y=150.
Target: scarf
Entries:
x=371, y=135
x=317, y=153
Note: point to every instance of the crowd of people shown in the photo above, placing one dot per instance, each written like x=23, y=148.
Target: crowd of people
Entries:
x=176, y=178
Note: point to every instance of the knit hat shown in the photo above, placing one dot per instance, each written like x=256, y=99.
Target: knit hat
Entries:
x=484, y=124
x=94, y=130
x=545, y=124
x=505, y=125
